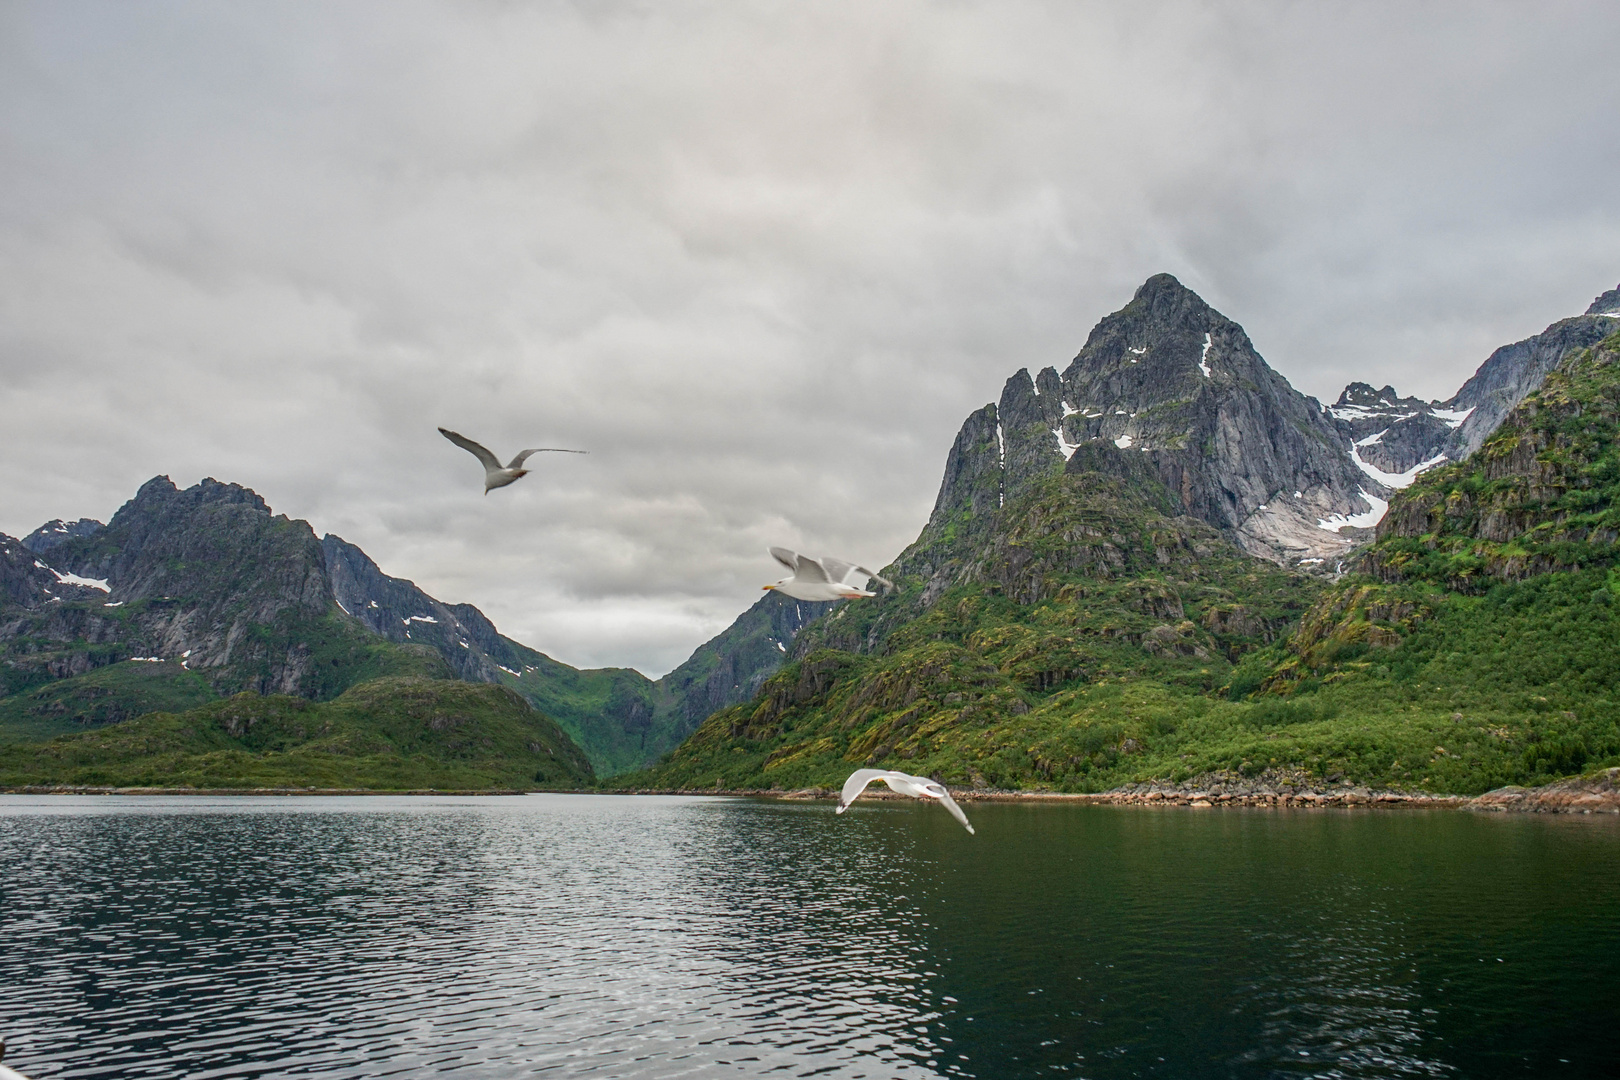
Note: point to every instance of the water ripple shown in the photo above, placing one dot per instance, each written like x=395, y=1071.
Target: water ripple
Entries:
x=647, y=937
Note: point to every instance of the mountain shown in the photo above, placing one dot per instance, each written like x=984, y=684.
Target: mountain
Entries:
x=187, y=596
x=383, y=734
x=214, y=595
x=1393, y=439
x=1092, y=602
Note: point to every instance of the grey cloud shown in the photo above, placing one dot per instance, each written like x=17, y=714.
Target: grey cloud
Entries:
x=760, y=259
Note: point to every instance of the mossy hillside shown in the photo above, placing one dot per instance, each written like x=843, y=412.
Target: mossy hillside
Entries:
x=388, y=734
x=1518, y=686
x=607, y=711
x=1542, y=494
x=106, y=695
x=65, y=666
x=1082, y=584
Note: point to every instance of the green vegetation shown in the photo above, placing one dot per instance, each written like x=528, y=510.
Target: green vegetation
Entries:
x=104, y=696
x=334, y=653
x=607, y=711
x=1541, y=495
x=388, y=734
x=1089, y=640
x=1517, y=686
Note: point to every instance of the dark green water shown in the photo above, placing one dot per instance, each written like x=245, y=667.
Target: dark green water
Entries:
x=661, y=937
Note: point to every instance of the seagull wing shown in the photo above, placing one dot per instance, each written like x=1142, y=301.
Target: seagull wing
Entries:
x=810, y=569
x=839, y=570
x=857, y=783
x=517, y=462
x=956, y=811
x=477, y=451
x=789, y=559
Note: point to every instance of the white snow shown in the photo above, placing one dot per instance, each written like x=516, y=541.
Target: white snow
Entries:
x=420, y=618
x=1035, y=386
x=1068, y=410
x=185, y=654
x=1124, y=442
x=464, y=645
x=1395, y=480
x=1373, y=439
x=1119, y=412
x=345, y=610
x=115, y=603
x=75, y=579
x=1607, y=314
x=781, y=646
x=509, y=671
x=1361, y=412
x=1304, y=561
x=1064, y=448
x=1452, y=417
x=1357, y=521
x=1001, y=446
x=148, y=659
x=1297, y=495
x=372, y=604
x=1138, y=352
x=1203, y=359
x=1262, y=506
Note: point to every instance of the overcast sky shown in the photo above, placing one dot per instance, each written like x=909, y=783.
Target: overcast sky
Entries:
x=759, y=259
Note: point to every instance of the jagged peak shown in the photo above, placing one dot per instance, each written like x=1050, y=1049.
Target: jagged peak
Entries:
x=1607, y=304
x=160, y=491
x=55, y=532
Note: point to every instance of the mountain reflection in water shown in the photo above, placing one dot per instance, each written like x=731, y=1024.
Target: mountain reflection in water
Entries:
x=668, y=937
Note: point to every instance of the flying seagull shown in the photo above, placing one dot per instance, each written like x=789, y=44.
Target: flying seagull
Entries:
x=821, y=579
x=918, y=787
x=494, y=475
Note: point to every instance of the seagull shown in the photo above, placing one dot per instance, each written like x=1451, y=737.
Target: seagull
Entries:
x=821, y=579
x=494, y=475
x=918, y=787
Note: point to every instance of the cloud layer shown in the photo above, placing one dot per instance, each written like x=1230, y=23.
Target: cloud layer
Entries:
x=758, y=259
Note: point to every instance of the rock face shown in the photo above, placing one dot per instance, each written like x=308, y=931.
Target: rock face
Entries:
x=52, y=533
x=1394, y=438
x=1392, y=435
x=1169, y=378
x=732, y=666
x=399, y=611
x=206, y=577
x=1540, y=495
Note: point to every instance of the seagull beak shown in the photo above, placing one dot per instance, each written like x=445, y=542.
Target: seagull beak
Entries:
x=768, y=588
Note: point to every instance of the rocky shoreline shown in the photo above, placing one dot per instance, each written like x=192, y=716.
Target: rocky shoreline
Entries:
x=1595, y=794
x=1598, y=794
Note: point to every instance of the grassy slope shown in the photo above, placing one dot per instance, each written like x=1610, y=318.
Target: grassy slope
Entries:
x=608, y=711
x=388, y=734
x=1014, y=679
x=340, y=653
x=1486, y=651
x=106, y=695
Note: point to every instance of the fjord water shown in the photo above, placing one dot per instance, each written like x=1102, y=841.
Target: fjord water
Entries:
x=669, y=937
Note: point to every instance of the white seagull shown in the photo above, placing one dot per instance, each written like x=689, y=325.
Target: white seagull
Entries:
x=494, y=474
x=821, y=579
x=918, y=787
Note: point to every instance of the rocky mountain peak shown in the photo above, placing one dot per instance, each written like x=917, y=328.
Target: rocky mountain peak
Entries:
x=1170, y=378
x=1607, y=304
x=52, y=533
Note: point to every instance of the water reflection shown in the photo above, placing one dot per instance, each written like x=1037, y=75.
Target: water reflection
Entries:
x=642, y=937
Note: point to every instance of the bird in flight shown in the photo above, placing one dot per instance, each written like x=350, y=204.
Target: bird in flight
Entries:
x=821, y=579
x=495, y=475
x=918, y=787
